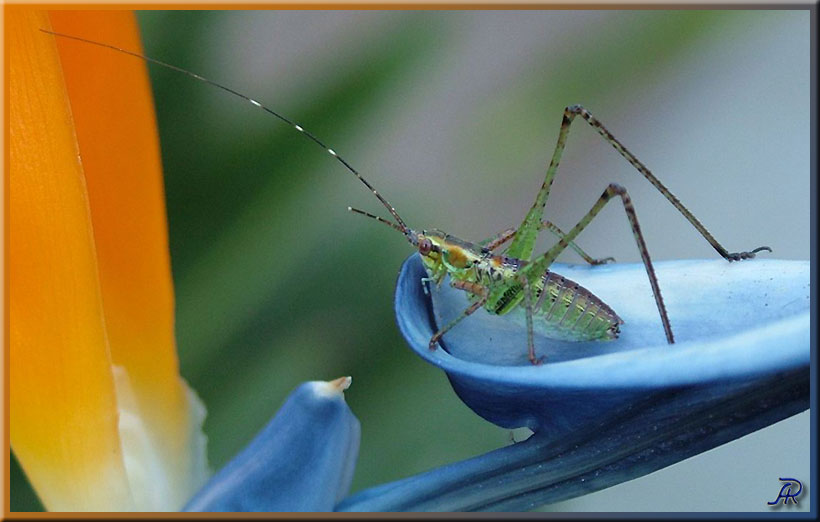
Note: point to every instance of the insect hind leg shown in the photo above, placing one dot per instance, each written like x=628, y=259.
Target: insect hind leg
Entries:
x=557, y=232
x=530, y=336
x=539, y=264
x=506, y=235
x=524, y=241
x=578, y=110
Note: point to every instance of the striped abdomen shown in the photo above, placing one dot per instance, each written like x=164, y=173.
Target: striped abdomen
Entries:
x=563, y=309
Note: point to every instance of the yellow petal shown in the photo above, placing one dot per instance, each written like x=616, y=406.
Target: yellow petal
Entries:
x=116, y=129
x=63, y=410
x=91, y=301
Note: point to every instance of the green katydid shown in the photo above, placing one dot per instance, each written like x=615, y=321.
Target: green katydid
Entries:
x=512, y=281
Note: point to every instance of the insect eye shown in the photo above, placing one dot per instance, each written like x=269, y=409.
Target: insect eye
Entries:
x=425, y=246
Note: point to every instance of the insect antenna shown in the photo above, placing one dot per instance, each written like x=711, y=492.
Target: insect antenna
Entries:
x=377, y=218
x=401, y=226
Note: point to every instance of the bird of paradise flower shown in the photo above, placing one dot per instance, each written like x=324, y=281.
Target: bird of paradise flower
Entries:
x=92, y=343
x=101, y=419
x=91, y=301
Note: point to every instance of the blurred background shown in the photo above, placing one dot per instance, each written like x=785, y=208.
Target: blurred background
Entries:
x=453, y=117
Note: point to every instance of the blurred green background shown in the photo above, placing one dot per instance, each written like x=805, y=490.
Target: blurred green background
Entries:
x=453, y=116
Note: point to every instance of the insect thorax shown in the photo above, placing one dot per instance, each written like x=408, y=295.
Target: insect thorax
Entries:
x=561, y=308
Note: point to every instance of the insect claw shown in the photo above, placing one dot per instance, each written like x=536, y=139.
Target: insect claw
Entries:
x=739, y=256
x=433, y=343
x=425, y=283
x=538, y=361
x=603, y=261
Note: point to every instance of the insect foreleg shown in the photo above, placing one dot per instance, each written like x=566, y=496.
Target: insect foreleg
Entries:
x=473, y=288
x=506, y=235
x=541, y=263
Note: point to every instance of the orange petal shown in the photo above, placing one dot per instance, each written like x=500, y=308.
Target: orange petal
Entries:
x=63, y=411
x=115, y=124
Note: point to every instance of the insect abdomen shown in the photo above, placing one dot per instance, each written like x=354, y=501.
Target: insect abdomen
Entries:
x=562, y=309
x=568, y=311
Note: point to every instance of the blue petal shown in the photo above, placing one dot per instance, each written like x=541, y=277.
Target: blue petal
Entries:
x=303, y=460
x=612, y=411
x=733, y=322
x=656, y=432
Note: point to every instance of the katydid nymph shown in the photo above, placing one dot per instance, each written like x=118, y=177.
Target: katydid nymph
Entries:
x=500, y=273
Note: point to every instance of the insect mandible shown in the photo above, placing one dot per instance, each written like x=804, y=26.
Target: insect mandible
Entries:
x=510, y=280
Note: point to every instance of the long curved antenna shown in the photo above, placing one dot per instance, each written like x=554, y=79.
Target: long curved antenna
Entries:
x=402, y=226
x=377, y=218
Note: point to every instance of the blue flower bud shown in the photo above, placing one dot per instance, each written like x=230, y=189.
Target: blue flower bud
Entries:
x=303, y=460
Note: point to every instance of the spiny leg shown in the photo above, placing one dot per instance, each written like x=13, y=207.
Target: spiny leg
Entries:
x=506, y=235
x=557, y=232
x=541, y=263
x=491, y=243
x=524, y=241
x=525, y=284
x=473, y=288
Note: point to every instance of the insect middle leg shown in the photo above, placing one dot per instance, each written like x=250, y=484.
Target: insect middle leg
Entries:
x=524, y=241
x=473, y=288
x=506, y=235
x=538, y=265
